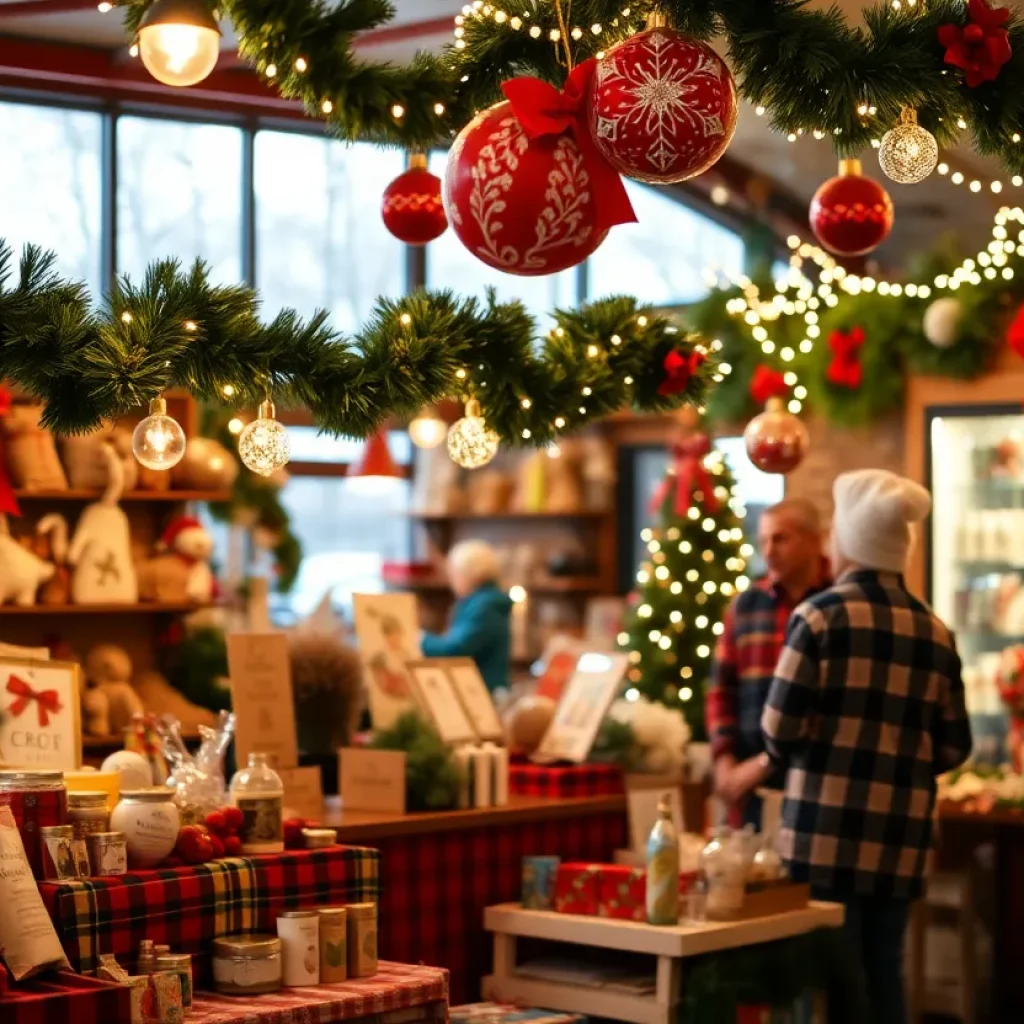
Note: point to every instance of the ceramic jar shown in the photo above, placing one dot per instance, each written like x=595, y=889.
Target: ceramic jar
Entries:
x=149, y=820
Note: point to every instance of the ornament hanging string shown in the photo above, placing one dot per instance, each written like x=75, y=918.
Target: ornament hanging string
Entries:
x=542, y=110
x=687, y=474
x=563, y=32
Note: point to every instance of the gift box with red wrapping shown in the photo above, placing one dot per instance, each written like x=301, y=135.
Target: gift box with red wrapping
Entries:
x=188, y=907
x=66, y=998
x=622, y=892
x=576, y=888
x=559, y=782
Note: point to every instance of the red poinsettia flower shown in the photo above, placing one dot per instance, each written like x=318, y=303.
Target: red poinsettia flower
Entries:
x=982, y=46
x=679, y=368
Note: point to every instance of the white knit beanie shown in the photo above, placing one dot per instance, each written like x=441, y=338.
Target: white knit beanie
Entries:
x=874, y=513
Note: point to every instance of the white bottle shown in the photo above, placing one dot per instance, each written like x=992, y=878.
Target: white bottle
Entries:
x=257, y=791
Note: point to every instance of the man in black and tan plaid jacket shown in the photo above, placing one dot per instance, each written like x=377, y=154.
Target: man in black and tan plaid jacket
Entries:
x=865, y=710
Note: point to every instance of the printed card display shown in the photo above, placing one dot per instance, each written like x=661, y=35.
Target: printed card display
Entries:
x=472, y=691
x=303, y=792
x=386, y=626
x=436, y=695
x=585, y=702
x=40, y=725
x=371, y=780
x=560, y=659
x=261, y=693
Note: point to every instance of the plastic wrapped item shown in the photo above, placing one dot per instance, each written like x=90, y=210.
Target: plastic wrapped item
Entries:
x=198, y=782
x=725, y=861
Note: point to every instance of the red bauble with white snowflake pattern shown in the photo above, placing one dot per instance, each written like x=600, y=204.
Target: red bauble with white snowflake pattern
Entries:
x=663, y=107
x=524, y=206
x=412, y=209
x=851, y=214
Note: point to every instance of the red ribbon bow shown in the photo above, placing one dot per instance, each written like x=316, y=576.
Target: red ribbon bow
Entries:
x=679, y=366
x=982, y=46
x=687, y=474
x=8, y=499
x=767, y=383
x=1015, y=333
x=845, y=370
x=542, y=110
x=47, y=701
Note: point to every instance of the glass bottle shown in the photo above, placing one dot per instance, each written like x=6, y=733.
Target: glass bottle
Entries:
x=724, y=867
x=257, y=791
x=663, y=868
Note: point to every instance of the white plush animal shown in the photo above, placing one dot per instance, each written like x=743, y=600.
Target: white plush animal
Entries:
x=21, y=572
x=101, y=550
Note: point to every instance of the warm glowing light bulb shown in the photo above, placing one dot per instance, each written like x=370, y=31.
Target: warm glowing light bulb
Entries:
x=179, y=41
x=158, y=441
x=428, y=430
x=264, y=446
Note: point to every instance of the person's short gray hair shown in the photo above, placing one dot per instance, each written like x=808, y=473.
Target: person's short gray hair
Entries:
x=800, y=511
x=475, y=561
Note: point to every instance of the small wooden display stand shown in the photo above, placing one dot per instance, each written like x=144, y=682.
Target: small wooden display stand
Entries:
x=670, y=946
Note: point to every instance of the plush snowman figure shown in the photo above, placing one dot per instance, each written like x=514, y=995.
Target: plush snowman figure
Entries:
x=187, y=539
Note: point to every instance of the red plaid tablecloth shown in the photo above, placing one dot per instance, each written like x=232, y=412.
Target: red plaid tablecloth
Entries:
x=394, y=987
x=188, y=907
x=565, y=781
x=66, y=998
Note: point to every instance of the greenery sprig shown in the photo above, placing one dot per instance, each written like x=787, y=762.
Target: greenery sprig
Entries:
x=176, y=330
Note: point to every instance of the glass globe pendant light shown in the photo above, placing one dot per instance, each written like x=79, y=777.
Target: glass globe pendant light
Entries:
x=179, y=41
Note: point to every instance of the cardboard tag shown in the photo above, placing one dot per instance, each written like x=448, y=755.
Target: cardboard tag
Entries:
x=642, y=798
x=372, y=780
x=261, y=688
x=303, y=792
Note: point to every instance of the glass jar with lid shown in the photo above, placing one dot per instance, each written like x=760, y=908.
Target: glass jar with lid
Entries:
x=257, y=791
x=724, y=863
x=38, y=799
x=88, y=812
x=247, y=965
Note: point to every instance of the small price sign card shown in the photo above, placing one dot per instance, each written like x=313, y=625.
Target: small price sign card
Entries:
x=371, y=780
x=303, y=792
x=261, y=689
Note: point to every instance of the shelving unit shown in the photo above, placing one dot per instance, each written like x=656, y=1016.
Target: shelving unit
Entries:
x=142, y=608
x=159, y=497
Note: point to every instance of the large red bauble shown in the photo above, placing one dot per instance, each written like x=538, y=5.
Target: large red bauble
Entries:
x=851, y=214
x=412, y=207
x=663, y=107
x=776, y=440
x=524, y=206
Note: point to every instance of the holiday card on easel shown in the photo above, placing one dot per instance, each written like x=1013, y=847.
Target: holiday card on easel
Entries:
x=40, y=725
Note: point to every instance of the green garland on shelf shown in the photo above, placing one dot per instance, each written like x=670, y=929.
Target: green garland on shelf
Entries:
x=431, y=772
x=176, y=330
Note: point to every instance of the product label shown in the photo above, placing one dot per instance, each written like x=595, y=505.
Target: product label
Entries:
x=110, y=860
x=262, y=822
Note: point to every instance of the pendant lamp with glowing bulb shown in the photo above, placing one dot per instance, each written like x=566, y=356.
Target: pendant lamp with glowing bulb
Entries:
x=179, y=41
x=428, y=430
x=376, y=468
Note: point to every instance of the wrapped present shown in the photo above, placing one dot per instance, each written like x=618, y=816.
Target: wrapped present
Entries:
x=539, y=875
x=576, y=888
x=65, y=998
x=505, y=1013
x=559, y=782
x=622, y=892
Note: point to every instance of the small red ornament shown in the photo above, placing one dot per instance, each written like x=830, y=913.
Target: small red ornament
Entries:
x=663, y=107
x=851, y=214
x=982, y=46
x=776, y=440
x=767, y=383
x=412, y=209
x=679, y=369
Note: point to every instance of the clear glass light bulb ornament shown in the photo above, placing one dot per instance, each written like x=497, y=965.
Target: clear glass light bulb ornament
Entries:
x=179, y=41
x=471, y=443
x=908, y=153
x=158, y=442
x=264, y=446
x=427, y=430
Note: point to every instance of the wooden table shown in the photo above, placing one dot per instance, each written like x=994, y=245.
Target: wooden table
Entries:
x=670, y=946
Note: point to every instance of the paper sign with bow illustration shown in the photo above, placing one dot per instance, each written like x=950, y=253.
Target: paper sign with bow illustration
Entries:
x=40, y=720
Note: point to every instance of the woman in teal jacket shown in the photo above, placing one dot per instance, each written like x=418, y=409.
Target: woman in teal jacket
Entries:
x=479, y=627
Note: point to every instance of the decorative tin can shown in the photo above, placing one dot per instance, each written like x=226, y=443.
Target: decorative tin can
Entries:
x=539, y=875
x=247, y=965
x=333, y=945
x=65, y=858
x=88, y=813
x=362, y=939
x=319, y=838
x=181, y=965
x=299, y=932
x=38, y=800
x=108, y=853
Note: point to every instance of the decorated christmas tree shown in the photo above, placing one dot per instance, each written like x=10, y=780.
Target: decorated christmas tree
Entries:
x=697, y=561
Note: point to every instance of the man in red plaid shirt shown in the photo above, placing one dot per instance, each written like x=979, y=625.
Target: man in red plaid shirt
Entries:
x=790, y=539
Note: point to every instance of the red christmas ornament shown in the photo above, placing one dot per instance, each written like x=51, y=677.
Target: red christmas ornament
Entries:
x=851, y=214
x=982, y=46
x=663, y=107
x=776, y=440
x=412, y=207
x=526, y=190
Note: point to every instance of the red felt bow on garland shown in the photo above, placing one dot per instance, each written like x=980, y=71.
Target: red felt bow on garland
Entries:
x=687, y=474
x=982, y=46
x=8, y=500
x=542, y=110
x=1015, y=333
x=767, y=383
x=47, y=701
x=845, y=370
x=679, y=370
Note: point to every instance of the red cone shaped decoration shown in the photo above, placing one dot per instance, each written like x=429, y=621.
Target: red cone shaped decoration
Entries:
x=376, y=459
x=412, y=208
x=851, y=214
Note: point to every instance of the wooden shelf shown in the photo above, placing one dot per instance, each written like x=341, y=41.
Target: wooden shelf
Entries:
x=151, y=608
x=555, y=585
x=155, y=496
x=455, y=517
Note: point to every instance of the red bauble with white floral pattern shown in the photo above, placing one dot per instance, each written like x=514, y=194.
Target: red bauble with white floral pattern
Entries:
x=524, y=206
x=851, y=214
x=663, y=107
x=412, y=209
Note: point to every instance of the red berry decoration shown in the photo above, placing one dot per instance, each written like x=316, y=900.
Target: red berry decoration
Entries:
x=232, y=818
x=776, y=440
x=232, y=846
x=663, y=107
x=217, y=823
x=217, y=846
x=851, y=214
x=412, y=208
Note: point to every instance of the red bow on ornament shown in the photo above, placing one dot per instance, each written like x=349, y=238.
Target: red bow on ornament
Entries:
x=767, y=383
x=1015, y=333
x=542, y=110
x=679, y=370
x=845, y=370
x=686, y=474
x=47, y=701
x=982, y=46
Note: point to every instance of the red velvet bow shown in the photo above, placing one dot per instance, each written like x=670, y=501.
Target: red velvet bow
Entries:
x=845, y=370
x=767, y=383
x=47, y=701
x=542, y=110
x=8, y=499
x=679, y=370
x=1015, y=333
x=687, y=474
x=982, y=46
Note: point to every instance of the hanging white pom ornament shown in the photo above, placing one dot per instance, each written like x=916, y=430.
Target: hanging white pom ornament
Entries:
x=776, y=440
x=908, y=153
x=941, y=323
x=158, y=442
x=471, y=443
x=264, y=447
